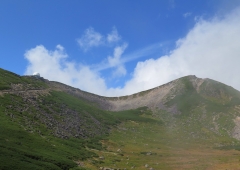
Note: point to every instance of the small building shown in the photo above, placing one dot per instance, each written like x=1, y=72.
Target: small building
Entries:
x=36, y=74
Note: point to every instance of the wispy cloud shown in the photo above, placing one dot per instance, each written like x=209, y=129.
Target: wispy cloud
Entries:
x=152, y=50
x=113, y=36
x=115, y=60
x=187, y=14
x=90, y=38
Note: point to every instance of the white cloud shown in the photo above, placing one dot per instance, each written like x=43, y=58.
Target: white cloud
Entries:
x=144, y=52
x=210, y=49
x=90, y=38
x=113, y=36
x=120, y=71
x=53, y=65
x=115, y=60
x=118, y=51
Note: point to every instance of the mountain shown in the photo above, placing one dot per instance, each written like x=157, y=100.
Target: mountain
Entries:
x=188, y=123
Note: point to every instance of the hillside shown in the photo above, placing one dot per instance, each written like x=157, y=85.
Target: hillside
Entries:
x=188, y=123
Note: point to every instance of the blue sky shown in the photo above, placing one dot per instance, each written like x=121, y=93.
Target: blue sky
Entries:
x=116, y=48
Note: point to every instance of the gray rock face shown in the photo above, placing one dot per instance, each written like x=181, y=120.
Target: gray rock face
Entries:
x=236, y=129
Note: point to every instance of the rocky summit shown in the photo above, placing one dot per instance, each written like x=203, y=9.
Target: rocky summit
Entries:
x=188, y=123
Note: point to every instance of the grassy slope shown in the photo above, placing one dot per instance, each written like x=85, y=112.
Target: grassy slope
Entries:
x=7, y=78
x=27, y=143
x=27, y=149
x=21, y=144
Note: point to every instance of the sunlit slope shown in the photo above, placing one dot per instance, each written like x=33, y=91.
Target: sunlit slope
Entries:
x=212, y=105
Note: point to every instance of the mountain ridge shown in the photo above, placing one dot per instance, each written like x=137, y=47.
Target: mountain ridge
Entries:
x=109, y=103
x=152, y=98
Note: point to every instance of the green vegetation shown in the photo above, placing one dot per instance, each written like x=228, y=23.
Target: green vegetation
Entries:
x=29, y=143
x=187, y=99
x=220, y=93
x=142, y=114
x=81, y=106
x=216, y=97
x=29, y=150
x=7, y=78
